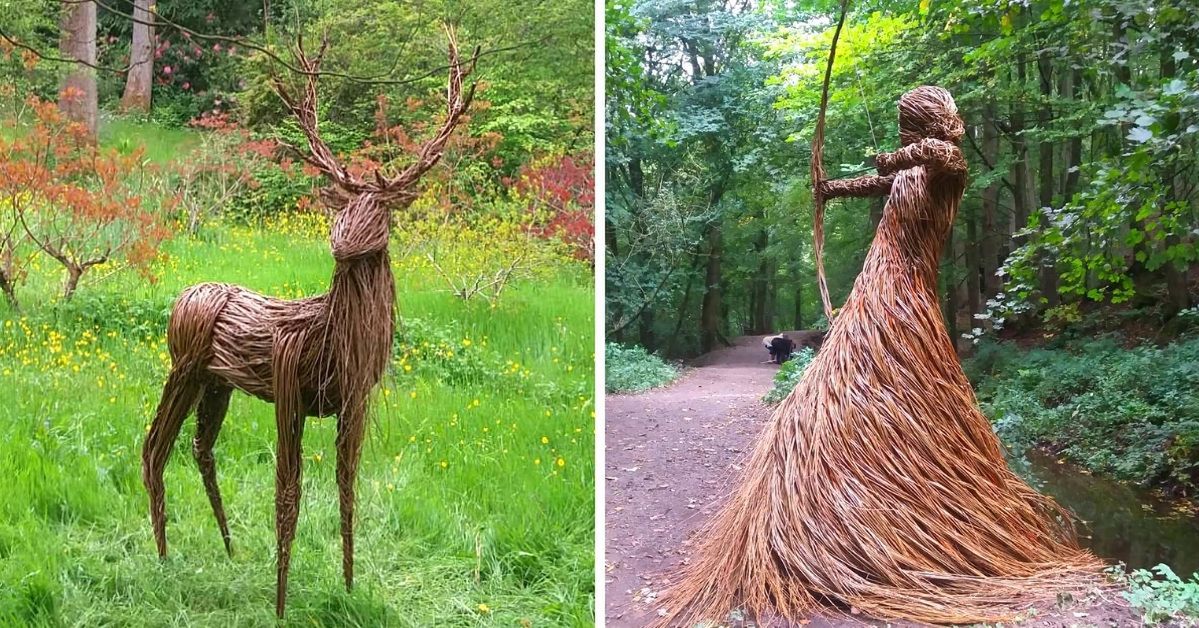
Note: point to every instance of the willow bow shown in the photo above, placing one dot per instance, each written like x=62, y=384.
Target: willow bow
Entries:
x=818, y=171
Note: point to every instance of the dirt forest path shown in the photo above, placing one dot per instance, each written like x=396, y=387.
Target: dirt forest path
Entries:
x=671, y=456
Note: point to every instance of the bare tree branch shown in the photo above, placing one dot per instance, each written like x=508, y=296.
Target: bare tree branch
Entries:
x=379, y=79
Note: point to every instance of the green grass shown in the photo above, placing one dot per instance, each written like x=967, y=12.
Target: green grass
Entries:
x=473, y=490
x=162, y=144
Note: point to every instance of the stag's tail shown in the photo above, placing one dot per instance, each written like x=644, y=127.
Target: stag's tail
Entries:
x=189, y=333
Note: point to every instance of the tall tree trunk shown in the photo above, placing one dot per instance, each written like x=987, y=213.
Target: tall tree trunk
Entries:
x=1178, y=297
x=1022, y=199
x=1123, y=67
x=645, y=332
x=973, y=269
x=748, y=326
x=710, y=309
x=140, y=80
x=1122, y=62
x=613, y=309
x=77, y=99
x=989, y=246
x=1049, y=276
x=771, y=295
x=683, y=310
x=1073, y=156
x=951, y=292
x=799, y=306
x=758, y=322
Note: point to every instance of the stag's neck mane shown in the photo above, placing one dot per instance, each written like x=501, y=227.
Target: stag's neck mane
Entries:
x=361, y=299
x=362, y=266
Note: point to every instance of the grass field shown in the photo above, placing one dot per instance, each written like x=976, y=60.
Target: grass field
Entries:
x=475, y=490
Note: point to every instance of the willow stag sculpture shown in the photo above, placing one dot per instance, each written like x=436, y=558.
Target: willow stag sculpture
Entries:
x=317, y=356
x=878, y=486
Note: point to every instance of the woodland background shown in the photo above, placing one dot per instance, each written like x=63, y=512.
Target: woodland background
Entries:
x=1081, y=141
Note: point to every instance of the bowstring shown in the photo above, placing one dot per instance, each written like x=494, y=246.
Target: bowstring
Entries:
x=818, y=174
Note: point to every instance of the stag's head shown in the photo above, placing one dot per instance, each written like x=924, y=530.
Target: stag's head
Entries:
x=393, y=190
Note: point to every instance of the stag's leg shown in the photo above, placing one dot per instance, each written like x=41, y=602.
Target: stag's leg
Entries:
x=210, y=414
x=289, y=418
x=178, y=396
x=287, y=501
x=351, y=426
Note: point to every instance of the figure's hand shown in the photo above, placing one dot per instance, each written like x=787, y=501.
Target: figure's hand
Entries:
x=885, y=163
x=825, y=188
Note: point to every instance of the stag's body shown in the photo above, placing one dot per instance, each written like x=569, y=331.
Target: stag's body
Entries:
x=228, y=329
x=310, y=357
x=317, y=356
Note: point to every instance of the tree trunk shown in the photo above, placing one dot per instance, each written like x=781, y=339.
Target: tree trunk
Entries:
x=771, y=295
x=1123, y=73
x=1178, y=297
x=614, y=311
x=973, y=270
x=799, y=306
x=758, y=322
x=1023, y=193
x=1044, y=120
x=645, y=332
x=9, y=288
x=681, y=314
x=1073, y=156
x=77, y=99
x=951, y=292
x=73, y=275
x=140, y=80
x=989, y=246
x=709, y=317
x=1123, y=68
x=1021, y=190
x=1049, y=276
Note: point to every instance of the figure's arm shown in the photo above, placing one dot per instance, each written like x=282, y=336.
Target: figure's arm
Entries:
x=934, y=154
x=864, y=186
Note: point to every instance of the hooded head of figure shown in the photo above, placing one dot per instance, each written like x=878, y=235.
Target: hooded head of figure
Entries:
x=929, y=112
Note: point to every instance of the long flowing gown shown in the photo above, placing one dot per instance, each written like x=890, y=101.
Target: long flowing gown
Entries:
x=878, y=486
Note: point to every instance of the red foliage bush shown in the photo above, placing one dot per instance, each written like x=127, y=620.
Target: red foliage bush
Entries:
x=79, y=204
x=561, y=200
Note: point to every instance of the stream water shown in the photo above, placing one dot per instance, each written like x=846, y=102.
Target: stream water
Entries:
x=1123, y=523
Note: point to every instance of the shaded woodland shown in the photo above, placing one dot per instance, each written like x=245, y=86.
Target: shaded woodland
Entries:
x=1082, y=209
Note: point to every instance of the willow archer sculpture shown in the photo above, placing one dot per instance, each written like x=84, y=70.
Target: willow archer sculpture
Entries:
x=316, y=356
x=878, y=486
